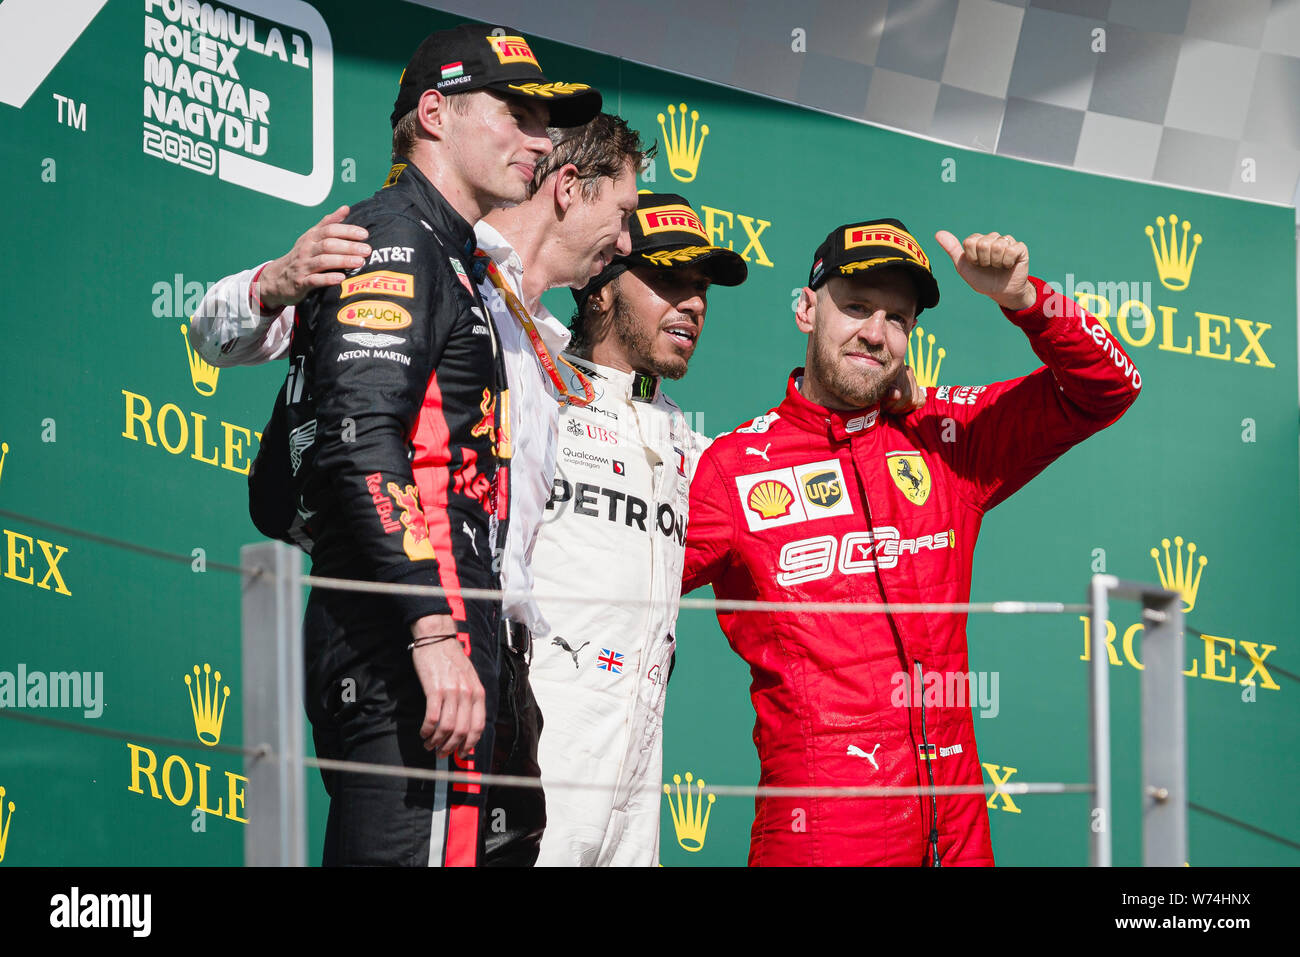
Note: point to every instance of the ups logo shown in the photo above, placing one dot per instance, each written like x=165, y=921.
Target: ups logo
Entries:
x=823, y=489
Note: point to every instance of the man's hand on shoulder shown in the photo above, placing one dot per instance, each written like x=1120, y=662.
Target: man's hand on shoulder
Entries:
x=318, y=258
x=992, y=264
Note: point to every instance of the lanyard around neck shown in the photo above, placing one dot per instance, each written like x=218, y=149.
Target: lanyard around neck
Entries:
x=543, y=354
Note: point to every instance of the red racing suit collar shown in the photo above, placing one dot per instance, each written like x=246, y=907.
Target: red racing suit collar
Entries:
x=811, y=417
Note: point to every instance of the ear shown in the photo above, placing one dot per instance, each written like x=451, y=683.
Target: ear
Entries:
x=566, y=186
x=431, y=111
x=805, y=310
x=602, y=300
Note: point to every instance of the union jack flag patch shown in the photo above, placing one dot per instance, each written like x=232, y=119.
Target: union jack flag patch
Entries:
x=610, y=660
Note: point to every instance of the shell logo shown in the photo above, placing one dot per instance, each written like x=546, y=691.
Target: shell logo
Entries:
x=770, y=499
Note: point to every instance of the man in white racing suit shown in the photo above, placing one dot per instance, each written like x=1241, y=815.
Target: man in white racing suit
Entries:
x=620, y=499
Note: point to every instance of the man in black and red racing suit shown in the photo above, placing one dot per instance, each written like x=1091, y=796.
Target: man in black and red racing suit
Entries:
x=409, y=474
x=824, y=499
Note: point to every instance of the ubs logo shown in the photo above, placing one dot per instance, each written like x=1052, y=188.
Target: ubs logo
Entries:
x=823, y=489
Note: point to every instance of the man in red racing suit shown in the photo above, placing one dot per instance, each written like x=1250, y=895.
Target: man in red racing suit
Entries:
x=823, y=499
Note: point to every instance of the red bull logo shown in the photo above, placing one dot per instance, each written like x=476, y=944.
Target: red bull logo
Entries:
x=415, y=540
x=488, y=408
x=383, y=504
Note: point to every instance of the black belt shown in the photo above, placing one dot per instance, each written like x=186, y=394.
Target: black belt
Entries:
x=515, y=636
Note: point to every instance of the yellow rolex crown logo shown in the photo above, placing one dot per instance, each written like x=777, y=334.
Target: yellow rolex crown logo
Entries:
x=690, y=820
x=5, y=821
x=209, y=712
x=1175, y=576
x=924, y=363
x=203, y=375
x=1173, y=262
x=683, y=149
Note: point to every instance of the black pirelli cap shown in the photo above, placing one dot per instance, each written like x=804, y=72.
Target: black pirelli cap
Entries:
x=667, y=233
x=857, y=248
x=475, y=56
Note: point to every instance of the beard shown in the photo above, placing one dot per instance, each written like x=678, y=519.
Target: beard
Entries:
x=856, y=389
x=640, y=345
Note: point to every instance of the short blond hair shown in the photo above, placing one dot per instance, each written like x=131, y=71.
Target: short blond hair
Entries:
x=408, y=130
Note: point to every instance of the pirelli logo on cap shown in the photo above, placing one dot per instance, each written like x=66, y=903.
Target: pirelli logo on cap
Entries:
x=885, y=236
x=513, y=50
x=671, y=218
x=383, y=281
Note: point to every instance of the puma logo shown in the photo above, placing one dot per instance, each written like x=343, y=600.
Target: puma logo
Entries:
x=557, y=640
x=750, y=450
x=473, y=535
x=856, y=752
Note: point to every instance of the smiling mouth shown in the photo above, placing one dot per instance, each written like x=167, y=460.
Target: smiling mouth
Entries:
x=865, y=357
x=684, y=336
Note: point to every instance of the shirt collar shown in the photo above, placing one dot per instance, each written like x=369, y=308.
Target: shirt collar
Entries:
x=811, y=417
x=632, y=386
x=555, y=334
x=496, y=246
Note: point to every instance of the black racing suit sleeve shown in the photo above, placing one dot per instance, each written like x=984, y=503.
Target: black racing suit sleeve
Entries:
x=374, y=353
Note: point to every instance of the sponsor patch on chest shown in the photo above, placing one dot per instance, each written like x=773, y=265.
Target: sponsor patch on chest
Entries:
x=800, y=494
x=910, y=474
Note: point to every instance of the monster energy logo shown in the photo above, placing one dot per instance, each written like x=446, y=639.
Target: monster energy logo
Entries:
x=643, y=387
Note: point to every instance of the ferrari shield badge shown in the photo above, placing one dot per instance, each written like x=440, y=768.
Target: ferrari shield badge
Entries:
x=910, y=475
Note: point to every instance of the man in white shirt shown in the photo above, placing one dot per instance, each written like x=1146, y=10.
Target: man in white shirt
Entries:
x=573, y=224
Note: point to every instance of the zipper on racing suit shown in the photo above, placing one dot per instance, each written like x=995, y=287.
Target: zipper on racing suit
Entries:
x=933, y=837
x=929, y=770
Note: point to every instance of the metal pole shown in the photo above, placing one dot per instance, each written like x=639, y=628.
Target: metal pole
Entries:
x=1164, y=732
x=1099, y=687
x=272, y=669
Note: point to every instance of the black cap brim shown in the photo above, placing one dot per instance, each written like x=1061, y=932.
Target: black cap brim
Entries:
x=567, y=109
x=927, y=289
x=723, y=266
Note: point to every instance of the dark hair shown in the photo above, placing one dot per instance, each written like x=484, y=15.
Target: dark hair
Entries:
x=584, y=321
x=603, y=147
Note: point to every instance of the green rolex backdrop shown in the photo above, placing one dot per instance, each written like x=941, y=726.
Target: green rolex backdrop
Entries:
x=159, y=145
